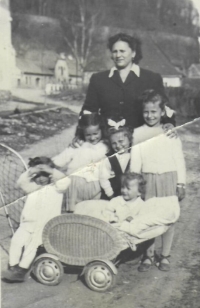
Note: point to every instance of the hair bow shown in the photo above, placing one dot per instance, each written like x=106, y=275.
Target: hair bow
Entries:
x=169, y=111
x=116, y=125
x=85, y=112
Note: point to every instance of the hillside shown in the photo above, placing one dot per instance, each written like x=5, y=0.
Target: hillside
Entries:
x=33, y=35
x=173, y=16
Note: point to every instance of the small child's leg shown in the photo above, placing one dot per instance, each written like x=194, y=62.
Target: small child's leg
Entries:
x=19, y=240
x=167, y=239
x=148, y=257
x=27, y=258
x=14, y=272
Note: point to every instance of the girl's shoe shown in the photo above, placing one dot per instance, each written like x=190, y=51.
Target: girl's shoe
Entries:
x=15, y=274
x=164, y=264
x=146, y=263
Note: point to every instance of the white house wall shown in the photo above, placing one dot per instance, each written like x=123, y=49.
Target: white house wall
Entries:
x=7, y=52
x=33, y=81
x=174, y=82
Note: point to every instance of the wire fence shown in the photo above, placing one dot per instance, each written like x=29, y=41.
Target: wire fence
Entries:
x=12, y=198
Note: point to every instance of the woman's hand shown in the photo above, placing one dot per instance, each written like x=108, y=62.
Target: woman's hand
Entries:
x=180, y=191
x=76, y=143
x=170, y=130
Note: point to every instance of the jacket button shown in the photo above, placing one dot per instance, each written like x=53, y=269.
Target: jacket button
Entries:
x=121, y=103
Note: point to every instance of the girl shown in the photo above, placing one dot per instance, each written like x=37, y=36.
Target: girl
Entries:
x=162, y=164
x=81, y=164
x=114, y=166
x=41, y=206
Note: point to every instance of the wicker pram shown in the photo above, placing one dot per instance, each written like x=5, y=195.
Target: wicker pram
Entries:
x=80, y=241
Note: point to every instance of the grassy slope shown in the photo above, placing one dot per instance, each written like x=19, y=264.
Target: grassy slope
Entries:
x=41, y=33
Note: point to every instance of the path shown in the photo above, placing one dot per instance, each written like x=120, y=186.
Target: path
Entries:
x=179, y=288
x=38, y=96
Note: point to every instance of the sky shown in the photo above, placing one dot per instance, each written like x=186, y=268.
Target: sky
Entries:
x=197, y=4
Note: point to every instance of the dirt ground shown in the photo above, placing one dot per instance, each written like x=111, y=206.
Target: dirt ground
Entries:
x=179, y=288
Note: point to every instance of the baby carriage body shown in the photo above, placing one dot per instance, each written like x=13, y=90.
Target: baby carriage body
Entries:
x=82, y=241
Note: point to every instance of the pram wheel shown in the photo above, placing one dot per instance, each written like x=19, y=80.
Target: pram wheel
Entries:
x=99, y=276
x=48, y=270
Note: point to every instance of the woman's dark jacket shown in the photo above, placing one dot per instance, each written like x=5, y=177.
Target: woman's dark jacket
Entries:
x=111, y=96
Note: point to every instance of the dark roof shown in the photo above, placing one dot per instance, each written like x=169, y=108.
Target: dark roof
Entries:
x=31, y=67
x=154, y=58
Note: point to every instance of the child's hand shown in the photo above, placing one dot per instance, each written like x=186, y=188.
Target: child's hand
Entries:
x=170, y=130
x=33, y=171
x=45, y=168
x=111, y=197
x=180, y=191
x=76, y=143
x=129, y=218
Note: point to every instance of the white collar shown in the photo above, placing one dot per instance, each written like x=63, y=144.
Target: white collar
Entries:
x=135, y=68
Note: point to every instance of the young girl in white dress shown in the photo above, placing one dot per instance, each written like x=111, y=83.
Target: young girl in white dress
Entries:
x=160, y=160
x=44, y=185
x=117, y=161
x=82, y=164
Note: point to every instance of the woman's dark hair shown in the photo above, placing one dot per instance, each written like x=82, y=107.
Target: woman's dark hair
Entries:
x=42, y=160
x=153, y=97
x=133, y=41
x=130, y=176
x=87, y=120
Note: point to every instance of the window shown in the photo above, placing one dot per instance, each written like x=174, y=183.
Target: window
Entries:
x=61, y=70
x=37, y=82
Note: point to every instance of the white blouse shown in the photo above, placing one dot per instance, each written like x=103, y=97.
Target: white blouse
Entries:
x=154, y=152
x=83, y=161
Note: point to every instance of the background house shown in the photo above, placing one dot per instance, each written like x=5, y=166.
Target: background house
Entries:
x=61, y=70
x=194, y=71
x=39, y=68
x=32, y=75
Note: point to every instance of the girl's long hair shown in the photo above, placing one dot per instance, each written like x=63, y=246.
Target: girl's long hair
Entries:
x=87, y=120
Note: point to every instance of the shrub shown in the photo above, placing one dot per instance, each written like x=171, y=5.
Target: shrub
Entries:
x=5, y=96
x=185, y=100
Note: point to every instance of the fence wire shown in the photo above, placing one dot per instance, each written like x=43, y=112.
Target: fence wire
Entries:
x=12, y=198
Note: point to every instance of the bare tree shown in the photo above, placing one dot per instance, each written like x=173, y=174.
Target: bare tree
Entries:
x=79, y=23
